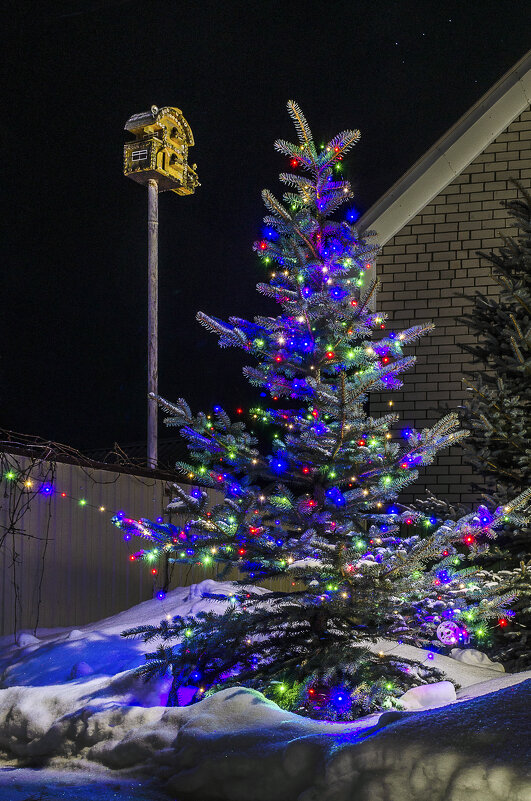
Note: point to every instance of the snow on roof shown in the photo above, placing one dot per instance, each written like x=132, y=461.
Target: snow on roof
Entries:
x=452, y=153
x=139, y=120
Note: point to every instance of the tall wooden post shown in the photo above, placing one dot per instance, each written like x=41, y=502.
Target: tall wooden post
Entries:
x=158, y=157
x=153, y=326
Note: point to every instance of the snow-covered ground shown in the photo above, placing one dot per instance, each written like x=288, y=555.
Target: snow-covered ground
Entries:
x=70, y=701
x=48, y=784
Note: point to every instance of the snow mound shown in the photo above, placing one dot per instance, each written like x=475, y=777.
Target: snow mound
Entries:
x=469, y=656
x=51, y=658
x=80, y=669
x=237, y=745
x=25, y=639
x=460, y=671
x=429, y=696
x=90, y=784
x=473, y=751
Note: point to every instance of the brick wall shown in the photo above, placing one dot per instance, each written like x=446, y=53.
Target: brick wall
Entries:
x=427, y=269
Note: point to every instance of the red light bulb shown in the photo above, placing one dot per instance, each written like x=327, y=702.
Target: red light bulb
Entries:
x=154, y=571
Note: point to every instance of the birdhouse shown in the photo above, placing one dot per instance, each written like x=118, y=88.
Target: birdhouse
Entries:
x=159, y=150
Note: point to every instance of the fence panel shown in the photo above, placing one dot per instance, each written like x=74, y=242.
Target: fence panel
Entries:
x=62, y=562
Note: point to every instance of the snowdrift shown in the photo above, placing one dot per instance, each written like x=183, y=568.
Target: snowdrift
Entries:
x=238, y=746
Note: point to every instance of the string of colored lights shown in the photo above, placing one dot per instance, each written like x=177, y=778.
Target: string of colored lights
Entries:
x=48, y=490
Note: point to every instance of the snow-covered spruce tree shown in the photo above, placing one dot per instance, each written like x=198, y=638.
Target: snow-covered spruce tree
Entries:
x=318, y=508
x=498, y=414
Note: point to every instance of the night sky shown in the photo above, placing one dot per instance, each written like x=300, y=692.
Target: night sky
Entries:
x=73, y=300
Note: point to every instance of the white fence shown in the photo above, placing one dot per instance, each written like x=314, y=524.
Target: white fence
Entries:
x=62, y=562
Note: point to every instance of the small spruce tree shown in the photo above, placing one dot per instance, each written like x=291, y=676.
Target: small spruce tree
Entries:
x=320, y=507
x=498, y=414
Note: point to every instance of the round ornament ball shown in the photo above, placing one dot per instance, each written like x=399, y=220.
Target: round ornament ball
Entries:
x=449, y=632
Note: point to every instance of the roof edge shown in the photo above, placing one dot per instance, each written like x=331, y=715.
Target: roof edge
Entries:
x=452, y=153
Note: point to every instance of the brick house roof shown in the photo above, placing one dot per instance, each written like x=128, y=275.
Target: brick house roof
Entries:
x=452, y=153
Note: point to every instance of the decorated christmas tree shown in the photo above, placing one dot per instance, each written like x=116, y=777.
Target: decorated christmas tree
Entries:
x=318, y=509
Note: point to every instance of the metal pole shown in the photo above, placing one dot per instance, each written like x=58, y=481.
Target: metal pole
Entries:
x=153, y=303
